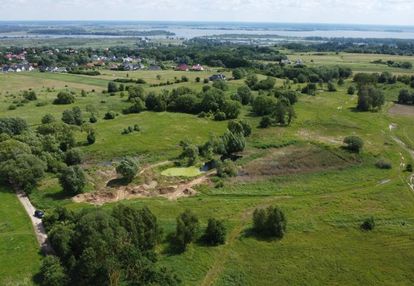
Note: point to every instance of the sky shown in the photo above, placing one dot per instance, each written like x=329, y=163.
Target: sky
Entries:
x=385, y=12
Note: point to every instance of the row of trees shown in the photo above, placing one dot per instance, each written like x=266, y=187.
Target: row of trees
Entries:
x=210, y=100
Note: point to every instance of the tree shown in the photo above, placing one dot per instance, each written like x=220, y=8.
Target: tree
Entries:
x=52, y=272
x=265, y=122
x=233, y=142
x=270, y=222
x=238, y=73
x=128, y=168
x=189, y=154
x=101, y=248
x=64, y=97
x=331, y=87
x=73, y=116
x=137, y=106
x=112, y=87
x=263, y=105
x=91, y=137
x=141, y=225
x=22, y=171
x=215, y=232
x=30, y=95
x=73, y=180
x=187, y=229
x=73, y=157
x=226, y=168
x=13, y=125
x=220, y=84
x=109, y=115
x=245, y=94
x=136, y=92
x=283, y=112
x=231, y=109
x=310, y=89
x=404, y=97
x=353, y=143
x=48, y=118
x=251, y=80
x=351, y=90
x=370, y=98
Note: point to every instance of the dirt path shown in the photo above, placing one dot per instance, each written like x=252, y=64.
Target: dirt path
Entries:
x=37, y=223
x=409, y=150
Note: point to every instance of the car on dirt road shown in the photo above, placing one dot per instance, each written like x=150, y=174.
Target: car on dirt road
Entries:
x=39, y=214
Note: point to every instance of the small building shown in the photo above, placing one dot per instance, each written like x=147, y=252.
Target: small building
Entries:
x=197, y=67
x=182, y=67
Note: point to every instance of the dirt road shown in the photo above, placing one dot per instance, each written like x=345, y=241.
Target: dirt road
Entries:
x=37, y=223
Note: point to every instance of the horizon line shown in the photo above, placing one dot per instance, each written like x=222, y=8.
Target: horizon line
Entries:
x=205, y=21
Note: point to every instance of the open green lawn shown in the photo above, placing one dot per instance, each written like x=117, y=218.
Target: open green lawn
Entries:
x=324, y=206
x=19, y=252
x=357, y=62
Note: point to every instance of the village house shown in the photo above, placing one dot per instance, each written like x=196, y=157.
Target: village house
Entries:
x=197, y=67
x=182, y=67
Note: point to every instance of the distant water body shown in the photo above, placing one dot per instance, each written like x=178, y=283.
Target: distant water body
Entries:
x=197, y=29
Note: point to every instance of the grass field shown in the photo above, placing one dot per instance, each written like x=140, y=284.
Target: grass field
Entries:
x=324, y=191
x=19, y=252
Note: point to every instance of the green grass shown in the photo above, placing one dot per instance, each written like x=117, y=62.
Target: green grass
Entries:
x=159, y=137
x=19, y=251
x=324, y=208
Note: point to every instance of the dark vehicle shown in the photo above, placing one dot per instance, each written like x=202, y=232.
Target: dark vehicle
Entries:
x=39, y=214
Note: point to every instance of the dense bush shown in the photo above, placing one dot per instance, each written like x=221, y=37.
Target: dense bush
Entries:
x=226, y=168
x=48, y=118
x=370, y=98
x=64, y=97
x=73, y=116
x=353, y=143
x=186, y=229
x=215, y=232
x=383, y=164
x=73, y=180
x=368, y=224
x=91, y=137
x=270, y=222
x=73, y=157
x=109, y=115
x=97, y=247
x=128, y=168
x=13, y=126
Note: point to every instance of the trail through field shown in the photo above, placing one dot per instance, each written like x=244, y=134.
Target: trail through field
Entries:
x=406, y=148
x=37, y=223
x=221, y=258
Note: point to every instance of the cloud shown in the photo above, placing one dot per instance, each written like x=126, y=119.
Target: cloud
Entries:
x=323, y=11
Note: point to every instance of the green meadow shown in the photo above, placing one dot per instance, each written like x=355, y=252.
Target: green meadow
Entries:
x=324, y=191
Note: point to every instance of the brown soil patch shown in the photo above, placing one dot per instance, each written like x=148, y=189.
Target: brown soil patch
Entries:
x=151, y=188
x=313, y=136
x=400, y=109
x=298, y=159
